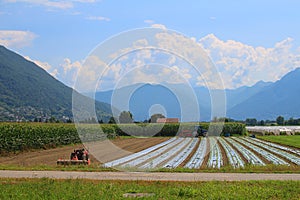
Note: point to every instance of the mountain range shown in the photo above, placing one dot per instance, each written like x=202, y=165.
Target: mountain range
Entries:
x=264, y=100
x=27, y=91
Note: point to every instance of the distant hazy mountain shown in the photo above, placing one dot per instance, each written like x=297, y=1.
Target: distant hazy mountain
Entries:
x=279, y=98
x=139, y=99
x=27, y=91
x=239, y=95
x=264, y=100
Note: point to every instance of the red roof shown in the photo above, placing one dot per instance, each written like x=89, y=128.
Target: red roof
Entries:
x=167, y=120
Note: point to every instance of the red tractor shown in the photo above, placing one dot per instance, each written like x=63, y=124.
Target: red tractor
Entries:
x=196, y=132
x=77, y=157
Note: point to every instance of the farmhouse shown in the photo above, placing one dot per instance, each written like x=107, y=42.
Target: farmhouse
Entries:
x=167, y=120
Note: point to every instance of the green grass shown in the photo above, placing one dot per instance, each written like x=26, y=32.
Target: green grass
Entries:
x=82, y=168
x=88, y=189
x=225, y=169
x=293, y=141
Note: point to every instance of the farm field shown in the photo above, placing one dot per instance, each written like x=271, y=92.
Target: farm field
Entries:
x=48, y=157
x=192, y=155
x=68, y=189
x=210, y=152
x=283, y=139
x=274, y=130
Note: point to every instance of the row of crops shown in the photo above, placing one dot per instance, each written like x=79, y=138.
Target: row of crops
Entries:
x=16, y=137
x=22, y=136
x=209, y=152
x=274, y=130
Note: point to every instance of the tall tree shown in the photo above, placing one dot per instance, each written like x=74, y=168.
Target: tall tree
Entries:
x=280, y=120
x=251, y=122
x=112, y=120
x=125, y=117
x=262, y=122
x=154, y=117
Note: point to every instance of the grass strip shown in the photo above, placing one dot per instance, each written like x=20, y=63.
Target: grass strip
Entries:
x=88, y=189
x=225, y=169
x=292, y=141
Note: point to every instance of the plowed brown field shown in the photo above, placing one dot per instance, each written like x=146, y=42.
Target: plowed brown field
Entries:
x=104, y=151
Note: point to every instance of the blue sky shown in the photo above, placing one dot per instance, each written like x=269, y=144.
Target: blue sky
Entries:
x=247, y=40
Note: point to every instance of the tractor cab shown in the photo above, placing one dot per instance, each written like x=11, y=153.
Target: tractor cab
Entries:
x=200, y=131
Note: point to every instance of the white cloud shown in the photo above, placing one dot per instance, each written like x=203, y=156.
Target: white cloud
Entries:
x=154, y=74
x=19, y=39
x=149, y=21
x=54, y=73
x=69, y=70
x=85, y=1
x=68, y=65
x=241, y=64
x=184, y=72
x=52, y=4
x=98, y=18
x=44, y=65
x=161, y=26
x=46, y=3
x=238, y=64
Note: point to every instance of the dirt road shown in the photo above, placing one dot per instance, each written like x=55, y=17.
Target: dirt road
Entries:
x=147, y=176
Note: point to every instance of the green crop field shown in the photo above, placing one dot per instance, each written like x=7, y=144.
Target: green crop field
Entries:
x=87, y=189
x=17, y=137
x=293, y=141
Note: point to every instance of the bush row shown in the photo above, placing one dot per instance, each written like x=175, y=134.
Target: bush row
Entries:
x=171, y=129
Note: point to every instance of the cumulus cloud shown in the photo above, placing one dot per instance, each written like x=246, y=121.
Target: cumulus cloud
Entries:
x=168, y=51
x=68, y=65
x=18, y=39
x=44, y=65
x=52, y=4
x=149, y=21
x=173, y=58
x=161, y=26
x=152, y=73
x=46, y=3
x=67, y=72
x=54, y=73
x=98, y=18
x=241, y=64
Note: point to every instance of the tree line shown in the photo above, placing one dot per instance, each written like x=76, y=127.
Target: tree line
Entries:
x=126, y=117
x=280, y=120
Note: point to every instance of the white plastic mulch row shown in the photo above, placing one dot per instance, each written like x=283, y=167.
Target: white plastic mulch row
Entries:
x=150, y=155
x=278, y=146
x=234, y=158
x=249, y=155
x=215, y=158
x=197, y=159
x=178, y=159
x=156, y=162
x=267, y=155
x=138, y=154
x=291, y=157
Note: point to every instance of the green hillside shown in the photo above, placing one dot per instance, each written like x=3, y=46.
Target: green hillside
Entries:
x=27, y=91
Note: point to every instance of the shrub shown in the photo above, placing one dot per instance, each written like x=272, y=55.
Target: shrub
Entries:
x=282, y=133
